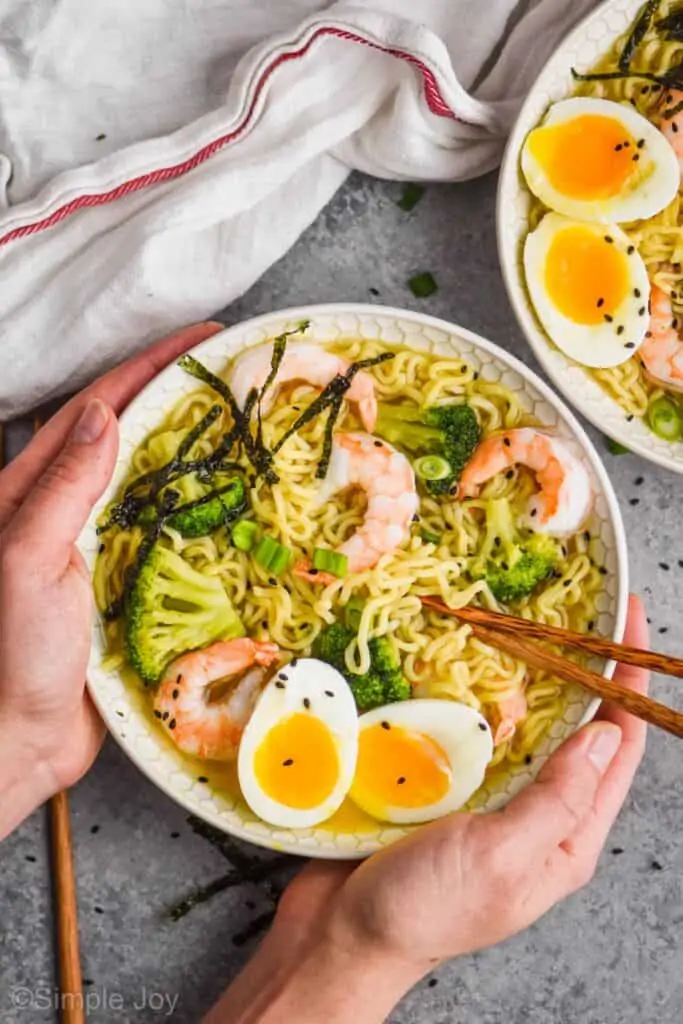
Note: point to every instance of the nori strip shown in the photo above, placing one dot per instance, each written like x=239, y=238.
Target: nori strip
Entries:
x=671, y=27
x=642, y=24
x=335, y=409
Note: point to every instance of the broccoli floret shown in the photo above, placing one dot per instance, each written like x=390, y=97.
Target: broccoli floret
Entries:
x=512, y=564
x=172, y=608
x=210, y=513
x=383, y=683
x=451, y=431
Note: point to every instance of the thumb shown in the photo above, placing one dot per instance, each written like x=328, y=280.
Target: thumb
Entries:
x=565, y=791
x=53, y=514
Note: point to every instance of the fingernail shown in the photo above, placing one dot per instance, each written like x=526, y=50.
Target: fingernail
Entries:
x=90, y=426
x=604, y=743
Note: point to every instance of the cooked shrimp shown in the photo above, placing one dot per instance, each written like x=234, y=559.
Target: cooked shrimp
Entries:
x=510, y=711
x=672, y=127
x=198, y=724
x=565, y=495
x=662, y=350
x=386, y=476
x=302, y=361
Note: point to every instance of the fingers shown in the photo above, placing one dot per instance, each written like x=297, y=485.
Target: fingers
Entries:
x=116, y=389
x=589, y=838
x=51, y=518
x=563, y=795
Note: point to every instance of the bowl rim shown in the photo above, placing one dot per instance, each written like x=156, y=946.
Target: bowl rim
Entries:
x=478, y=342
x=515, y=286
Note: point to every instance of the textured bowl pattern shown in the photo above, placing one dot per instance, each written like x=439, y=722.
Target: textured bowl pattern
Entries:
x=581, y=50
x=121, y=705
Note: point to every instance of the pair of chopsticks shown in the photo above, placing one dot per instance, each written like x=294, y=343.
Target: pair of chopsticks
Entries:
x=64, y=888
x=520, y=638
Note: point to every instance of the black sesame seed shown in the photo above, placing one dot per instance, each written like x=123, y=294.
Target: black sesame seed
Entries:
x=293, y=662
x=507, y=442
x=665, y=566
x=120, y=714
x=453, y=491
x=329, y=693
x=165, y=716
x=202, y=778
x=674, y=323
x=648, y=334
x=608, y=238
x=656, y=866
x=433, y=982
x=175, y=835
x=635, y=158
x=386, y=725
x=663, y=629
x=528, y=759
x=645, y=89
x=591, y=626
x=632, y=102
x=640, y=143
x=631, y=249
x=636, y=292
x=509, y=475
x=566, y=583
x=628, y=344
x=296, y=408
x=564, y=551
x=279, y=685
x=586, y=536
x=627, y=145
x=264, y=624
x=94, y=830
x=634, y=502
x=416, y=518
x=378, y=444
x=400, y=780
x=483, y=726
x=283, y=677
x=176, y=694
x=171, y=724
x=608, y=318
x=630, y=418
x=157, y=714
x=680, y=563
x=476, y=375
x=618, y=148
x=102, y=548
x=496, y=542
x=98, y=910
x=179, y=680
x=374, y=291
x=620, y=329
x=504, y=566
x=272, y=581
x=533, y=512
x=30, y=858
x=669, y=98
x=639, y=481
x=641, y=311
x=601, y=302
x=307, y=703
x=674, y=127
x=313, y=572
x=602, y=570
x=617, y=851
x=288, y=762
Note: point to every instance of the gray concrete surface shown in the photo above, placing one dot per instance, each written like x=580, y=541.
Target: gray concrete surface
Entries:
x=611, y=955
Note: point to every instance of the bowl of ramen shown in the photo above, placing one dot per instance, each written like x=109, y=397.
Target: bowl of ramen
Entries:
x=284, y=499
x=590, y=223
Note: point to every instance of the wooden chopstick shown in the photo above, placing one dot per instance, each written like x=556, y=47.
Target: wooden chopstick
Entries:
x=635, y=703
x=586, y=642
x=64, y=893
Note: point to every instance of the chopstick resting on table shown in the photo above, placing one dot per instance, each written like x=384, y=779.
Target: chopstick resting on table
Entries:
x=523, y=644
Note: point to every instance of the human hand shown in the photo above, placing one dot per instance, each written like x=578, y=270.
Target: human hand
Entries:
x=50, y=730
x=460, y=884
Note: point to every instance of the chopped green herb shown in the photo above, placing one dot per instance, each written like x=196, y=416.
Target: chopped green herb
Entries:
x=430, y=537
x=664, y=418
x=326, y=560
x=272, y=556
x=423, y=285
x=412, y=194
x=244, y=534
x=432, y=467
x=614, y=448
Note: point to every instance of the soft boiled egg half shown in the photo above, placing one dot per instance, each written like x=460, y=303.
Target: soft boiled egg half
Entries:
x=589, y=287
x=420, y=759
x=600, y=161
x=298, y=752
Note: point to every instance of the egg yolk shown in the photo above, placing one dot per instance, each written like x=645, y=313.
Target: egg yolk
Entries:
x=297, y=763
x=589, y=157
x=400, y=768
x=586, y=275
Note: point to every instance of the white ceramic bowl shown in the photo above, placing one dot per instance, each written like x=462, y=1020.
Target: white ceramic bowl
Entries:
x=581, y=49
x=121, y=705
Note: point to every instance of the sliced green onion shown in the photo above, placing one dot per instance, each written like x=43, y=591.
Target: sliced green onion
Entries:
x=272, y=556
x=614, y=448
x=244, y=534
x=423, y=285
x=432, y=467
x=326, y=560
x=412, y=194
x=430, y=537
x=664, y=418
x=353, y=612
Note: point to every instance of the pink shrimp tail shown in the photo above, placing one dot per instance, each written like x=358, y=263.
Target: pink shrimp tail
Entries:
x=265, y=653
x=368, y=413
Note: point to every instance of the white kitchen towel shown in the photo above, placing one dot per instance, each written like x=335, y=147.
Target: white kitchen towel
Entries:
x=156, y=157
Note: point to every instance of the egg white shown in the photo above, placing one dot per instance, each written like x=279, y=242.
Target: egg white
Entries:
x=652, y=187
x=463, y=735
x=596, y=345
x=331, y=701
